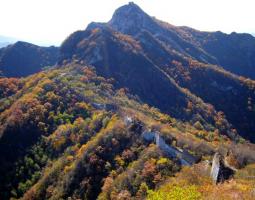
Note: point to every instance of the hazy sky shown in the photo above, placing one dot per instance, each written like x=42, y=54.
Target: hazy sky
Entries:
x=51, y=21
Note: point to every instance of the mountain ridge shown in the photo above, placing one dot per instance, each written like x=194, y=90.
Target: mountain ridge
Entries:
x=23, y=58
x=94, y=46
x=190, y=39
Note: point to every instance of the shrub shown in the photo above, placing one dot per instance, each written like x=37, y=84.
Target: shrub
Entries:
x=175, y=193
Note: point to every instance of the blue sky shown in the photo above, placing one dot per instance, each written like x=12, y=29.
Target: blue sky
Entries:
x=51, y=21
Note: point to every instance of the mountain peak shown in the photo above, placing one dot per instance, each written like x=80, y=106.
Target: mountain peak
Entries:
x=129, y=19
x=132, y=4
x=130, y=10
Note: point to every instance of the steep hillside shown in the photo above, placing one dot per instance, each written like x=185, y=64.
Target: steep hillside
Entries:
x=138, y=21
x=76, y=136
x=156, y=61
x=227, y=92
x=234, y=52
x=120, y=57
x=22, y=59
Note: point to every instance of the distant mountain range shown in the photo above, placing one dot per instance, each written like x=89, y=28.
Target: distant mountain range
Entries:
x=22, y=59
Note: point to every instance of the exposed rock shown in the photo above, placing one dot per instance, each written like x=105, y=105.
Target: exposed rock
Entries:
x=107, y=107
x=130, y=19
x=128, y=120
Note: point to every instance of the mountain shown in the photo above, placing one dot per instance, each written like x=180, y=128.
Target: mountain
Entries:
x=22, y=59
x=234, y=52
x=156, y=62
x=130, y=68
x=133, y=109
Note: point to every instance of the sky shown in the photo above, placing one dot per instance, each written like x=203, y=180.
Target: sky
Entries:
x=49, y=22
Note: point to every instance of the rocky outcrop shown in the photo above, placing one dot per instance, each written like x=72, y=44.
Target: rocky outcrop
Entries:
x=107, y=107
